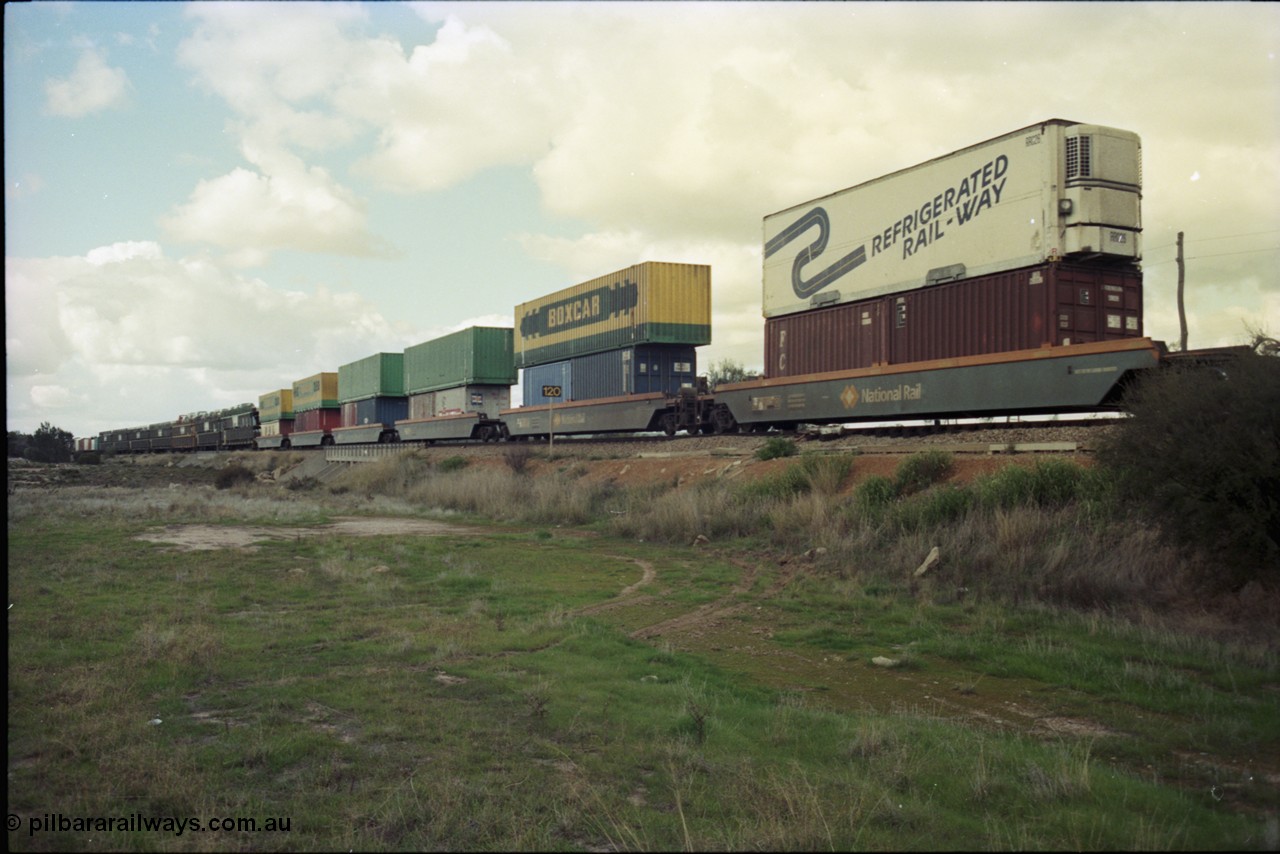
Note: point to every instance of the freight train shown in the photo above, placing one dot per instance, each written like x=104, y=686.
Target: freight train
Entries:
x=1003, y=278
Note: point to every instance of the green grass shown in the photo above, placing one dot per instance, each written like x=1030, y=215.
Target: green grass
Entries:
x=413, y=692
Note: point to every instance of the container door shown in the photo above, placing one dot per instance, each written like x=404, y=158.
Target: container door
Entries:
x=867, y=335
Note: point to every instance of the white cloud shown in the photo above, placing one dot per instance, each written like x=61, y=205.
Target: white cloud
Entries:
x=92, y=87
x=152, y=336
x=286, y=205
x=52, y=397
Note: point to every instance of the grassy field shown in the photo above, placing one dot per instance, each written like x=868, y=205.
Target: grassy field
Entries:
x=564, y=670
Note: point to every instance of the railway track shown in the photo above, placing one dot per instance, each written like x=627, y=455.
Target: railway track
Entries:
x=1060, y=436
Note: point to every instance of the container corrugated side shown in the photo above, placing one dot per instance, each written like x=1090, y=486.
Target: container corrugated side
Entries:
x=1046, y=305
x=275, y=405
x=379, y=375
x=558, y=375
x=647, y=369
x=319, y=391
x=636, y=370
x=486, y=399
x=374, y=410
x=283, y=427
x=422, y=405
x=317, y=419
x=478, y=355
x=653, y=302
x=1051, y=191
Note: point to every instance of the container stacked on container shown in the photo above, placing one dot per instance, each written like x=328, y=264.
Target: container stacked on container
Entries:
x=630, y=332
x=316, y=411
x=1027, y=240
x=275, y=416
x=371, y=396
x=468, y=371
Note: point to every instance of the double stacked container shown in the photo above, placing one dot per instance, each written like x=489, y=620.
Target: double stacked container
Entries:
x=372, y=398
x=1027, y=240
x=316, y=410
x=468, y=371
x=275, y=417
x=631, y=332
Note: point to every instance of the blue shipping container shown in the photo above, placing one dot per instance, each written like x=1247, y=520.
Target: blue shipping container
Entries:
x=558, y=374
x=634, y=370
x=615, y=373
x=375, y=410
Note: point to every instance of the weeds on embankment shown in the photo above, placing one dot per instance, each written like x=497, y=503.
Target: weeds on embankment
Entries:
x=482, y=691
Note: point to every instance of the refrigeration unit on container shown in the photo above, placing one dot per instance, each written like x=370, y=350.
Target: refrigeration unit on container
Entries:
x=1058, y=190
x=379, y=375
x=649, y=303
x=1048, y=305
x=368, y=411
x=316, y=392
x=275, y=405
x=478, y=355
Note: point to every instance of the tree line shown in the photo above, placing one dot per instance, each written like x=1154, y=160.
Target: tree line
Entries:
x=48, y=444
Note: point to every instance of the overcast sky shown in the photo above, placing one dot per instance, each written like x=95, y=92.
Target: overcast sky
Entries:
x=207, y=202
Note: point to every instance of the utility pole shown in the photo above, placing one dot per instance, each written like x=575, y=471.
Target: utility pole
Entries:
x=1182, y=309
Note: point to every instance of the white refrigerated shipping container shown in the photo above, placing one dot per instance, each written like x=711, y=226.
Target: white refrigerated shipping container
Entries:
x=1058, y=190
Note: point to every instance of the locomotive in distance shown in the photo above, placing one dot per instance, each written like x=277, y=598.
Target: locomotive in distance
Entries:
x=1034, y=307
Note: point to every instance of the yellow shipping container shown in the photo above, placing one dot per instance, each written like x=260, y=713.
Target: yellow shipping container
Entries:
x=275, y=405
x=316, y=392
x=655, y=302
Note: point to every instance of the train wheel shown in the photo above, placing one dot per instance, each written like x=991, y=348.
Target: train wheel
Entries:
x=669, y=424
x=722, y=421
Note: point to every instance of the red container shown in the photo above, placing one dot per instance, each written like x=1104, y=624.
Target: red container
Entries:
x=1052, y=304
x=317, y=419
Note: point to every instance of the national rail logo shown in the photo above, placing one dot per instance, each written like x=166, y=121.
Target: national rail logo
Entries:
x=881, y=394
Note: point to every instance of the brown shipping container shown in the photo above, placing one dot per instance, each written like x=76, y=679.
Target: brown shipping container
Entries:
x=317, y=419
x=1051, y=304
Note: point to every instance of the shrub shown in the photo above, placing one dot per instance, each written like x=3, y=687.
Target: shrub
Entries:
x=1201, y=457
x=89, y=458
x=517, y=457
x=455, y=463
x=933, y=508
x=874, y=495
x=233, y=475
x=922, y=470
x=815, y=472
x=776, y=446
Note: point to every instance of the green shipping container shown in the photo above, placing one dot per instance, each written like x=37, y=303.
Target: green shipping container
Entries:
x=655, y=302
x=319, y=391
x=477, y=355
x=379, y=375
